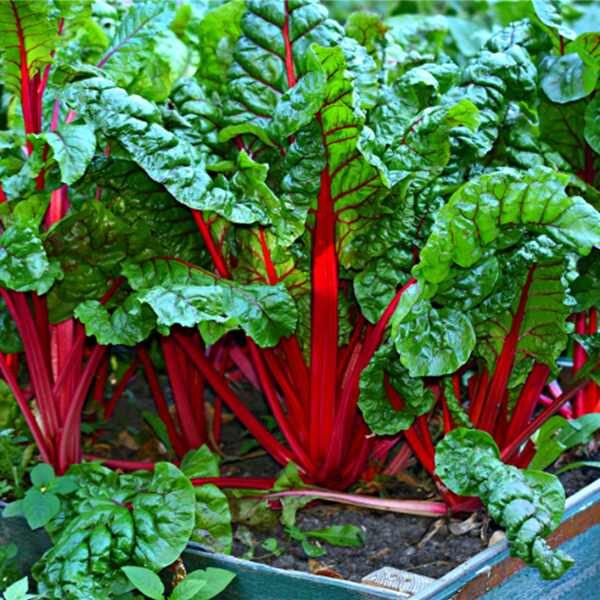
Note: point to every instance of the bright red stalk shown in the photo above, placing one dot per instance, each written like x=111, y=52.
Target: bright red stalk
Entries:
x=212, y=248
x=219, y=385
x=160, y=402
x=578, y=362
x=496, y=391
x=70, y=443
x=350, y=391
x=175, y=368
x=528, y=400
x=267, y=385
x=324, y=323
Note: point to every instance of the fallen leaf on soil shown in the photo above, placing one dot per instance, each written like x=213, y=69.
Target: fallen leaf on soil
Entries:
x=152, y=450
x=437, y=525
x=102, y=449
x=318, y=568
x=461, y=527
x=126, y=440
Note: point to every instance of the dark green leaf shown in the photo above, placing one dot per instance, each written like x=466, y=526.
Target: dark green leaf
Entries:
x=591, y=464
x=140, y=519
x=129, y=324
x=212, y=528
x=41, y=475
x=557, y=435
x=39, y=508
x=216, y=580
x=349, y=536
x=24, y=265
x=385, y=370
x=567, y=78
x=73, y=147
x=187, y=295
x=431, y=341
x=146, y=581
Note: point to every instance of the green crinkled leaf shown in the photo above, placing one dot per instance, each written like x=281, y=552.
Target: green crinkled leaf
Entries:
x=385, y=375
x=197, y=117
x=543, y=334
x=567, y=78
x=24, y=265
x=217, y=33
x=137, y=57
x=156, y=224
x=562, y=126
x=356, y=186
x=213, y=528
x=477, y=214
x=431, y=341
x=128, y=324
x=369, y=30
x=187, y=295
x=142, y=519
x=245, y=198
x=90, y=244
x=528, y=504
x=135, y=123
x=298, y=106
x=200, y=463
x=259, y=74
x=73, y=147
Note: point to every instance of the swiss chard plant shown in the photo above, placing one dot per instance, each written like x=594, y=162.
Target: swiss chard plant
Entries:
x=59, y=245
x=300, y=162
x=44, y=152
x=314, y=182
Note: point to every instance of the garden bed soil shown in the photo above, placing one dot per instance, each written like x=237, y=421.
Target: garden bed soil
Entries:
x=423, y=545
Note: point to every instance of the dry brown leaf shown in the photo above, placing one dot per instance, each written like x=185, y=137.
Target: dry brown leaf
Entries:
x=319, y=568
x=126, y=440
x=437, y=525
x=458, y=527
